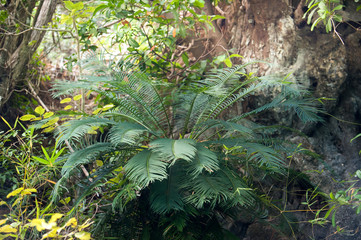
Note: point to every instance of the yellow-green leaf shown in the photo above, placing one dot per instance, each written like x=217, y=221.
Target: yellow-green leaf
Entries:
x=15, y=192
x=52, y=234
x=49, y=129
x=3, y=203
x=97, y=111
x=7, y=229
x=55, y=217
x=72, y=221
x=48, y=114
x=65, y=100
x=3, y=221
x=107, y=107
x=65, y=201
x=68, y=107
x=28, y=191
x=51, y=122
x=99, y=163
x=83, y=235
x=36, y=119
x=40, y=110
x=27, y=117
x=41, y=225
x=77, y=97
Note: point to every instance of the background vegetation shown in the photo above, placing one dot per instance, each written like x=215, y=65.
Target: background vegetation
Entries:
x=142, y=140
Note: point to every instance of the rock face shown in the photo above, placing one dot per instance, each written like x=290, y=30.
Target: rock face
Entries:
x=273, y=30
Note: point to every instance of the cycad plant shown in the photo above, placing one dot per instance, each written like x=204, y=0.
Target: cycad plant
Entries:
x=168, y=145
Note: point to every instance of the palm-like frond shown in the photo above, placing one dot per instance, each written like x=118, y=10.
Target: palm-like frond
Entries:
x=84, y=156
x=146, y=167
x=205, y=160
x=125, y=132
x=207, y=189
x=172, y=149
x=76, y=129
x=165, y=195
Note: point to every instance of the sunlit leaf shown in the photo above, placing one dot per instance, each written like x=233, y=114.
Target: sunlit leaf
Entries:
x=3, y=221
x=107, y=107
x=15, y=192
x=28, y=191
x=71, y=222
x=41, y=224
x=55, y=217
x=48, y=114
x=65, y=100
x=83, y=235
x=7, y=229
x=77, y=97
x=68, y=107
x=39, y=110
x=27, y=117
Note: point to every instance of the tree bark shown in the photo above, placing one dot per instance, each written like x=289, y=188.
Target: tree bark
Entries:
x=19, y=41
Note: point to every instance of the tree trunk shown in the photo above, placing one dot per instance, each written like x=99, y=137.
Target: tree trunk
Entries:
x=19, y=40
x=274, y=31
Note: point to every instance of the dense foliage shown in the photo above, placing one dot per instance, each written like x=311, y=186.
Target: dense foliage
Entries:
x=148, y=144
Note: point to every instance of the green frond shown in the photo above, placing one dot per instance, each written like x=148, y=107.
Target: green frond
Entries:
x=218, y=81
x=165, y=195
x=75, y=130
x=125, y=132
x=188, y=108
x=172, y=150
x=265, y=156
x=305, y=109
x=146, y=167
x=204, y=161
x=240, y=193
x=85, y=155
x=207, y=189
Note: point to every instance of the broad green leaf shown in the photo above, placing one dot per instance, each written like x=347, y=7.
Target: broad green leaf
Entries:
x=228, y=62
x=185, y=59
x=78, y=6
x=65, y=100
x=40, y=110
x=15, y=192
x=198, y=3
x=27, y=117
x=133, y=43
x=69, y=5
